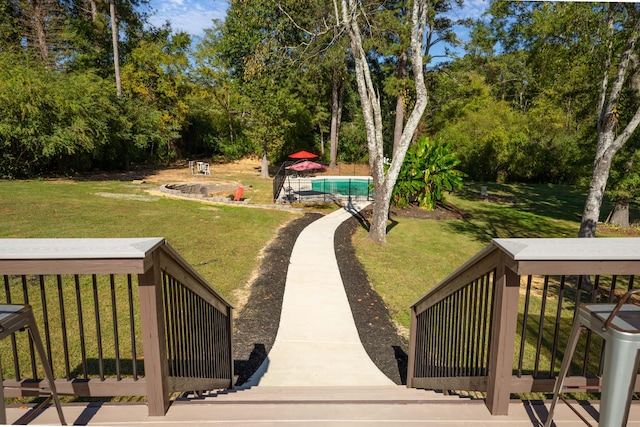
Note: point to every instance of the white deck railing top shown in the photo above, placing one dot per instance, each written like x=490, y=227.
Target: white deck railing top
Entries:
x=62, y=249
x=571, y=249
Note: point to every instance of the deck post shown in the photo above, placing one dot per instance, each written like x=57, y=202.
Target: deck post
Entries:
x=156, y=369
x=412, y=348
x=503, y=331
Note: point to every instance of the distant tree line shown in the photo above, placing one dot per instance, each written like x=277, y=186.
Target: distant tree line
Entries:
x=538, y=93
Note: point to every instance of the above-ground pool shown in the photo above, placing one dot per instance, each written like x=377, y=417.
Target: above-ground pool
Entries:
x=344, y=185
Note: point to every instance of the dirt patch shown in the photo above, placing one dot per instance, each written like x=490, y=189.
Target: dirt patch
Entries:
x=179, y=172
x=633, y=231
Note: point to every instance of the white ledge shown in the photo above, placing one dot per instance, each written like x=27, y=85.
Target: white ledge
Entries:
x=136, y=248
x=574, y=249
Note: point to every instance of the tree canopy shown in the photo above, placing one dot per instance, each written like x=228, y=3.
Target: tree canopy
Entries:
x=541, y=92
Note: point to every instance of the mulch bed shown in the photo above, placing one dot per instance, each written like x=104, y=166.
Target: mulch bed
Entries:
x=442, y=211
x=386, y=348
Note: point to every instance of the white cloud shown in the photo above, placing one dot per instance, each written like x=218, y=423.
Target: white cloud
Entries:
x=471, y=9
x=475, y=8
x=191, y=16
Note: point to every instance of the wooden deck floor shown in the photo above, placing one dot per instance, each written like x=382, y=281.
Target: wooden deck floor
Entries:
x=290, y=406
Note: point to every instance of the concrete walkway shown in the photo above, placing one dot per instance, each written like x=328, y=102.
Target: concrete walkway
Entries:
x=317, y=342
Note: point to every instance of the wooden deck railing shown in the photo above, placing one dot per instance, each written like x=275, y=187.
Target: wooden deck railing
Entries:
x=118, y=317
x=500, y=323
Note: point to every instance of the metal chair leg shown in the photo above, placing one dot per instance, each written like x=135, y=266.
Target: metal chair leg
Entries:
x=564, y=368
x=35, y=337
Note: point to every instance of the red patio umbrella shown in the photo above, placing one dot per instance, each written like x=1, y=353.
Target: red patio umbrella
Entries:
x=305, y=165
x=303, y=155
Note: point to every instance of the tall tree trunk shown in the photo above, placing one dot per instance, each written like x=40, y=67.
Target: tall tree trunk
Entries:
x=94, y=10
x=608, y=144
x=114, y=38
x=620, y=214
x=321, y=139
x=337, y=94
x=400, y=102
x=371, y=111
x=39, y=20
x=229, y=116
x=598, y=184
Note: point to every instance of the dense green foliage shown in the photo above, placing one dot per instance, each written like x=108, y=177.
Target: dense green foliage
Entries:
x=427, y=172
x=519, y=105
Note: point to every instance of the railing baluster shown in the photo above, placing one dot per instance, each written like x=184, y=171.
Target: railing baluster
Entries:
x=462, y=332
x=203, y=343
x=83, y=346
x=201, y=325
x=184, y=347
x=463, y=347
x=114, y=316
x=63, y=325
x=455, y=330
x=432, y=322
x=96, y=311
x=167, y=298
x=132, y=328
x=449, y=339
x=525, y=321
x=473, y=337
x=439, y=310
x=177, y=346
x=25, y=296
x=14, y=343
x=421, y=350
x=594, y=296
x=543, y=306
x=556, y=331
x=45, y=316
x=190, y=335
x=429, y=322
x=612, y=288
x=489, y=284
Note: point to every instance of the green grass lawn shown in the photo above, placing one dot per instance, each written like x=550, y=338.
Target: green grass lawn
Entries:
x=222, y=242
x=420, y=253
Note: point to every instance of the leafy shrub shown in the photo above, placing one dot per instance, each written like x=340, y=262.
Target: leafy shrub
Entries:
x=428, y=170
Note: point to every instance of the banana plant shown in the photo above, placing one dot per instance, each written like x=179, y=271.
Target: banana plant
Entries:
x=427, y=172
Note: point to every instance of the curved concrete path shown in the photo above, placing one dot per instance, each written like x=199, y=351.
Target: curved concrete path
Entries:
x=317, y=342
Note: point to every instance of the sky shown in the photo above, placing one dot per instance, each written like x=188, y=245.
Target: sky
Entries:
x=190, y=16
x=193, y=16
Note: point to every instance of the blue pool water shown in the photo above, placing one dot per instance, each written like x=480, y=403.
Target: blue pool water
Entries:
x=342, y=185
